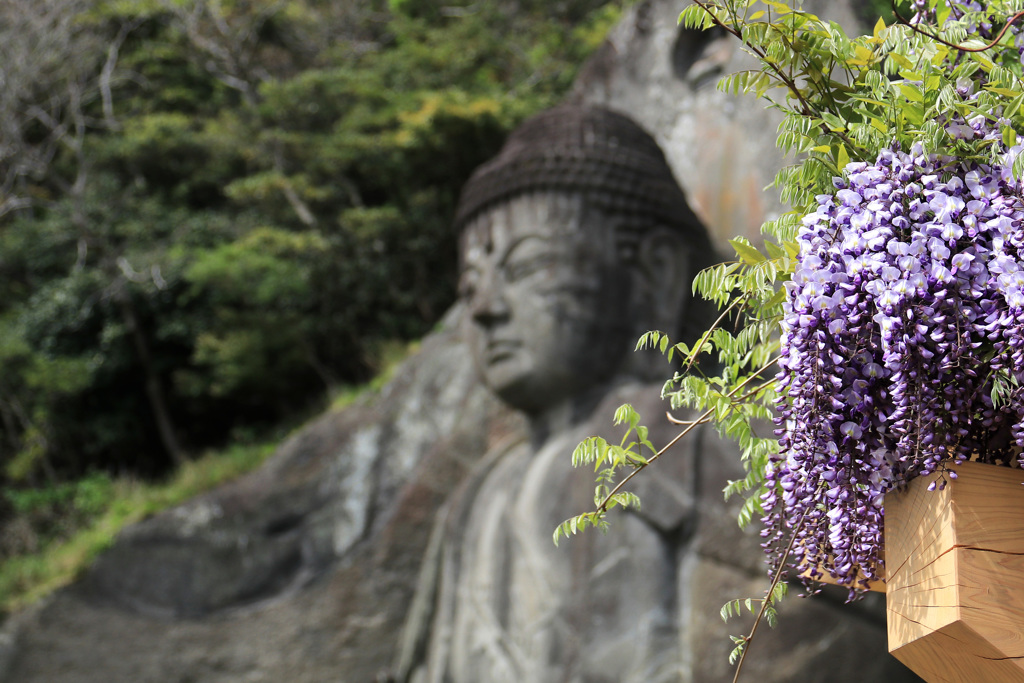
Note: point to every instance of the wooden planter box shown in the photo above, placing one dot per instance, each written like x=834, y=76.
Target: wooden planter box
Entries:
x=955, y=576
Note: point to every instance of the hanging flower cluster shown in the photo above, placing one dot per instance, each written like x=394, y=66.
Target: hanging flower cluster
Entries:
x=904, y=319
x=902, y=338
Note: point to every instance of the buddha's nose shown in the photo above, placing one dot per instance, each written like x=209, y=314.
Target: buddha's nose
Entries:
x=489, y=305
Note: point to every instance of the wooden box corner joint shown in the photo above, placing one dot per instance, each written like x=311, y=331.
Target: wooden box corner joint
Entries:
x=955, y=576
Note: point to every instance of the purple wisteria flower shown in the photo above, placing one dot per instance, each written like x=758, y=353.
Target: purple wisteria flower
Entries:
x=906, y=309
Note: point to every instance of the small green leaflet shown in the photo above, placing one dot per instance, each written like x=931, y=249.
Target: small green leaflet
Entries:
x=746, y=252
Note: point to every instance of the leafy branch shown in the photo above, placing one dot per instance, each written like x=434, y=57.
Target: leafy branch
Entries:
x=762, y=54
x=961, y=48
x=776, y=591
x=599, y=452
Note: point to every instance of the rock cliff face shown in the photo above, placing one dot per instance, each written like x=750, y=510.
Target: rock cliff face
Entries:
x=301, y=572
x=720, y=146
x=330, y=487
x=305, y=570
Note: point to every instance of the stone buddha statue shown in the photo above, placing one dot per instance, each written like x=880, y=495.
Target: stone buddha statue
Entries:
x=575, y=240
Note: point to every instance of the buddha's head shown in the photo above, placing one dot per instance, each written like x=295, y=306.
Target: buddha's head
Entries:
x=576, y=240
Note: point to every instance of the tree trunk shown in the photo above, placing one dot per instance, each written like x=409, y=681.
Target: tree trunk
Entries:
x=154, y=387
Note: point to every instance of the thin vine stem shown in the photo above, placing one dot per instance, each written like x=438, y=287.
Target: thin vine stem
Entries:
x=740, y=399
x=805, y=107
x=789, y=83
x=995, y=41
x=779, y=573
x=707, y=335
x=703, y=419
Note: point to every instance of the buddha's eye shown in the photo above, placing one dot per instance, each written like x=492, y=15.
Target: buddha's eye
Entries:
x=519, y=269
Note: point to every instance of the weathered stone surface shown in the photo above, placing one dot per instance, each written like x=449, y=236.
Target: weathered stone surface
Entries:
x=720, y=146
x=276, y=530
x=302, y=571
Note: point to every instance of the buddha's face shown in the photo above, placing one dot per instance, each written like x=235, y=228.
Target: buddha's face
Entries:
x=547, y=299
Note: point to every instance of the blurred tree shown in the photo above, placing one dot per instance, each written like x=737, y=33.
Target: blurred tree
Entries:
x=214, y=211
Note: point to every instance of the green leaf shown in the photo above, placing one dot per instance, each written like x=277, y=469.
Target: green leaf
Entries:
x=833, y=122
x=842, y=159
x=774, y=250
x=1009, y=136
x=911, y=91
x=1011, y=109
x=1005, y=92
x=648, y=340
x=914, y=115
x=901, y=60
x=1017, y=169
x=747, y=253
x=781, y=8
x=879, y=27
x=694, y=16
x=776, y=299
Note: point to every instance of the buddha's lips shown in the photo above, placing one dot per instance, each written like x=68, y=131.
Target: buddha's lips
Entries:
x=501, y=349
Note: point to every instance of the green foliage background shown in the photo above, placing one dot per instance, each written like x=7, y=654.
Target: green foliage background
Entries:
x=215, y=214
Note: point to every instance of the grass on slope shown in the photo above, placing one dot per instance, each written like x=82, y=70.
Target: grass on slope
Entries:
x=57, y=531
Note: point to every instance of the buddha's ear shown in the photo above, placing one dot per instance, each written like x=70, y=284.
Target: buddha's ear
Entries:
x=664, y=264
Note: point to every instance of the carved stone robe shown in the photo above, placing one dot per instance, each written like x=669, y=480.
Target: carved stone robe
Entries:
x=499, y=603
